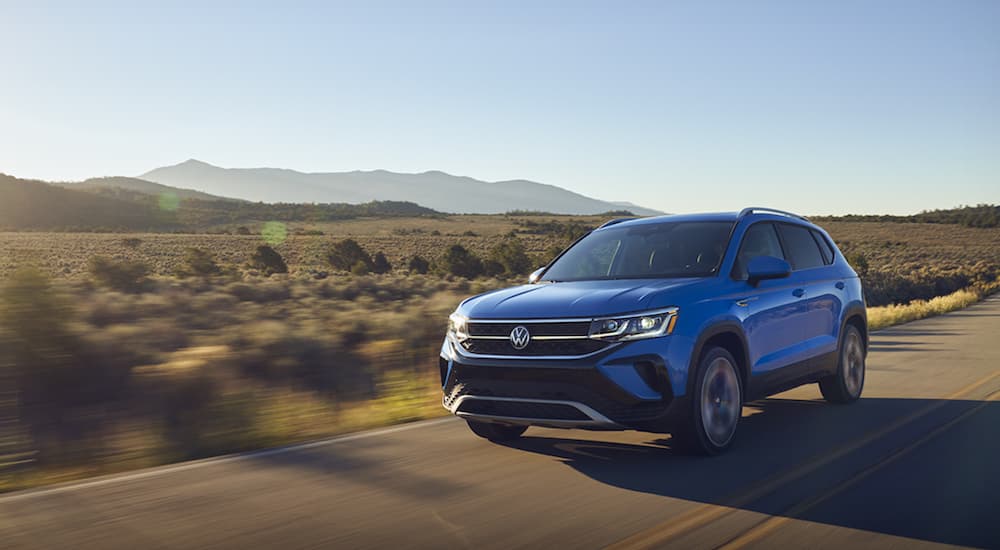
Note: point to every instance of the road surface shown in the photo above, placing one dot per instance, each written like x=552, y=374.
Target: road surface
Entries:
x=915, y=463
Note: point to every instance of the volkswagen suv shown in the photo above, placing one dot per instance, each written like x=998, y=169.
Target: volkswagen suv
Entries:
x=666, y=324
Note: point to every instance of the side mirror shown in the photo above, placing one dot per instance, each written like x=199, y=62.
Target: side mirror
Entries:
x=763, y=268
x=535, y=275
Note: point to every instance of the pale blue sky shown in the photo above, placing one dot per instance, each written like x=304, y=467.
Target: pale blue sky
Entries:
x=819, y=107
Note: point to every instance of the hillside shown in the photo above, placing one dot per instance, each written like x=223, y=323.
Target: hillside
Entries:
x=436, y=190
x=38, y=205
x=108, y=185
x=32, y=204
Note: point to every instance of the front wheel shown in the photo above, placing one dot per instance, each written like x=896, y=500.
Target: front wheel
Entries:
x=845, y=386
x=496, y=432
x=716, y=405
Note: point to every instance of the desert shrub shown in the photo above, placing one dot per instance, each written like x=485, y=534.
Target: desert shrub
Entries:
x=242, y=230
x=54, y=374
x=492, y=268
x=566, y=232
x=550, y=254
x=512, y=258
x=459, y=261
x=199, y=263
x=267, y=261
x=360, y=268
x=131, y=242
x=380, y=264
x=345, y=254
x=187, y=394
x=261, y=293
x=124, y=276
x=419, y=265
x=858, y=261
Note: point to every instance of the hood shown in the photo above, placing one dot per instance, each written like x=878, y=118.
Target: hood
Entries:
x=575, y=299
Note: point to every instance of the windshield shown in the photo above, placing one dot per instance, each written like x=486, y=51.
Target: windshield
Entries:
x=670, y=249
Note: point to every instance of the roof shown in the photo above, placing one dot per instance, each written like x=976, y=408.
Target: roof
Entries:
x=701, y=217
x=757, y=213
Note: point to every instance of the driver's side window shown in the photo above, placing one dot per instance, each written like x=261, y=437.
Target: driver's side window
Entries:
x=760, y=240
x=598, y=261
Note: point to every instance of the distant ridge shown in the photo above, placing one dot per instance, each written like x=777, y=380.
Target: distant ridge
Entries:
x=433, y=189
x=140, y=186
x=38, y=205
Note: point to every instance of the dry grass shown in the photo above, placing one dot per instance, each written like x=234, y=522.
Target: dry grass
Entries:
x=895, y=314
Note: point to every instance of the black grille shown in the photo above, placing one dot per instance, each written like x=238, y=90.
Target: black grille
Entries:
x=522, y=409
x=578, y=328
x=535, y=348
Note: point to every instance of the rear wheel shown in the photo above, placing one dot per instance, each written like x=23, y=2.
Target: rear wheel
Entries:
x=496, y=432
x=845, y=386
x=716, y=405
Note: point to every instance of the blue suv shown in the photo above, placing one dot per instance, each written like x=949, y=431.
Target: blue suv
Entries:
x=667, y=324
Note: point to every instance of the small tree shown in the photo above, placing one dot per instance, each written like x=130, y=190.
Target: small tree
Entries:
x=122, y=276
x=511, y=256
x=267, y=261
x=380, y=264
x=345, y=254
x=492, y=268
x=419, y=265
x=199, y=263
x=858, y=261
x=459, y=261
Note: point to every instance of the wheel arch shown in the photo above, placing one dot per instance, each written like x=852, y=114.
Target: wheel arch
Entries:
x=729, y=336
x=857, y=316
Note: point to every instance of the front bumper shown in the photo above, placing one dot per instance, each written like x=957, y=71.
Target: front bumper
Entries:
x=624, y=387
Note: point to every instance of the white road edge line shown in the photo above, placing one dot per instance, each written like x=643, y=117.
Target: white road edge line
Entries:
x=224, y=459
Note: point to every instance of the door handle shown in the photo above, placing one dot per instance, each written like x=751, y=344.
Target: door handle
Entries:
x=799, y=292
x=839, y=285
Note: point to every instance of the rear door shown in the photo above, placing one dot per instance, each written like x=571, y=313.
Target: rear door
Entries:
x=816, y=286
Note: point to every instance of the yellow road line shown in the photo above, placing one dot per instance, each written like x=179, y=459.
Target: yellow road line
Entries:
x=771, y=524
x=707, y=513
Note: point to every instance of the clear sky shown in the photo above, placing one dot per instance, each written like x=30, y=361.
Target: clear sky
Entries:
x=819, y=107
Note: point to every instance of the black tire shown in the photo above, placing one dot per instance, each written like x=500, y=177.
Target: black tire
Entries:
x=496, y=432
x=693, y=436
x=847, y=384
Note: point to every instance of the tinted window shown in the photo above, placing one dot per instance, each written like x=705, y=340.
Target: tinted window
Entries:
x=759, y=240
x=651, y=250
x=824, y=246
x=802, y=249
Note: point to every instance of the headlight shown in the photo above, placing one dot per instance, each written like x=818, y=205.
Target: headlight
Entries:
x=633, y=327
x=458, y=328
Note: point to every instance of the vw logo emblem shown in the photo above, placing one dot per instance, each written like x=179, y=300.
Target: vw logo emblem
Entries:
x=520, y=337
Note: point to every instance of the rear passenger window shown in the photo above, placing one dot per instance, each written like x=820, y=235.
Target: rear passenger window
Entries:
x=801, y=248
x=760, y=240
x=824, y=246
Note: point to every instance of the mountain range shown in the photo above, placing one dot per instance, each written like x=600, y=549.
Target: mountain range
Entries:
x=436, y=190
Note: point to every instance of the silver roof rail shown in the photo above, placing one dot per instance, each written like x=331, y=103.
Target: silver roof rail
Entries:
x=753, y=209
x=615, y=222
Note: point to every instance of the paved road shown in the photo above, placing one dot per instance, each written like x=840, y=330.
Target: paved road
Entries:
x=915, y=463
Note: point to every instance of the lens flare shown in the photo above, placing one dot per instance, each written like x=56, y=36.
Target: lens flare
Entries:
x=274, y=233
x=168, y=202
